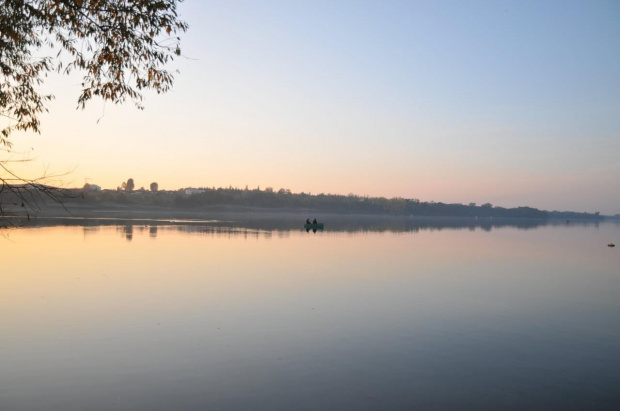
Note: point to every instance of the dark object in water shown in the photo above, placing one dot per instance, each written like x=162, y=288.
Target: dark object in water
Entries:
x=611, y=245
x=317, y=226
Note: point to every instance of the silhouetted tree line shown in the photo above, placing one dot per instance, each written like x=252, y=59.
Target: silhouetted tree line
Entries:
x=332, y=203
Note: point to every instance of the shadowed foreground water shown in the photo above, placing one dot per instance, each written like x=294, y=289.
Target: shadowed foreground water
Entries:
x=189, y=317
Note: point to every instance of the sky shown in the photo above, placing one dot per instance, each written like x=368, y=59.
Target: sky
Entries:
x=512, y=103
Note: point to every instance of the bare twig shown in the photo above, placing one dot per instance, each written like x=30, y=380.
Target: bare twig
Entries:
x=24, y=197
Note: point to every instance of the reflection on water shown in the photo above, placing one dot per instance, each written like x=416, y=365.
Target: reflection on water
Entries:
x=397, y=315
x=333, y=223
x=128, y=231
x=282, y=227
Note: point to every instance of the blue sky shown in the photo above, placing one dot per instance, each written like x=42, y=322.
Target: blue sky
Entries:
x=513, y=103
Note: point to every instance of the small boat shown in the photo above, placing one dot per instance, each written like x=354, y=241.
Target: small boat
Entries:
x=317, y=226
x=611, y=245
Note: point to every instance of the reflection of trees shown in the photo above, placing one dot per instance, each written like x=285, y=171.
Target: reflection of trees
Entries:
x=268, y=225
x=89, y=230
x=344, y=223
x=128, y=230
x=218, y=231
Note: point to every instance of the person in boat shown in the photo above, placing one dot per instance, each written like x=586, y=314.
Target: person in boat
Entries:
x=314, y=221
x=307, y=221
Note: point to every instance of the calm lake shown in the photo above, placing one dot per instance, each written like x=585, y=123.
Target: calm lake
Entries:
x=381, y=316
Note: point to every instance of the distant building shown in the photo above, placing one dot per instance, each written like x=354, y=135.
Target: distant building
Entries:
x=191, y=191
x=92, y=187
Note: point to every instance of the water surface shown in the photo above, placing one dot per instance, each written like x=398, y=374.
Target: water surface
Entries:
x=198, y=316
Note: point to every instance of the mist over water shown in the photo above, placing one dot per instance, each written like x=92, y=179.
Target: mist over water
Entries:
x=399, y=314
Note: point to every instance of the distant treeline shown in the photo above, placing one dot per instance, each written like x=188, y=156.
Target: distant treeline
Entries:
x=333, y=203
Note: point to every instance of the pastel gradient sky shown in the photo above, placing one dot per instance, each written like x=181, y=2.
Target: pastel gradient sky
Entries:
x=513, y=103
